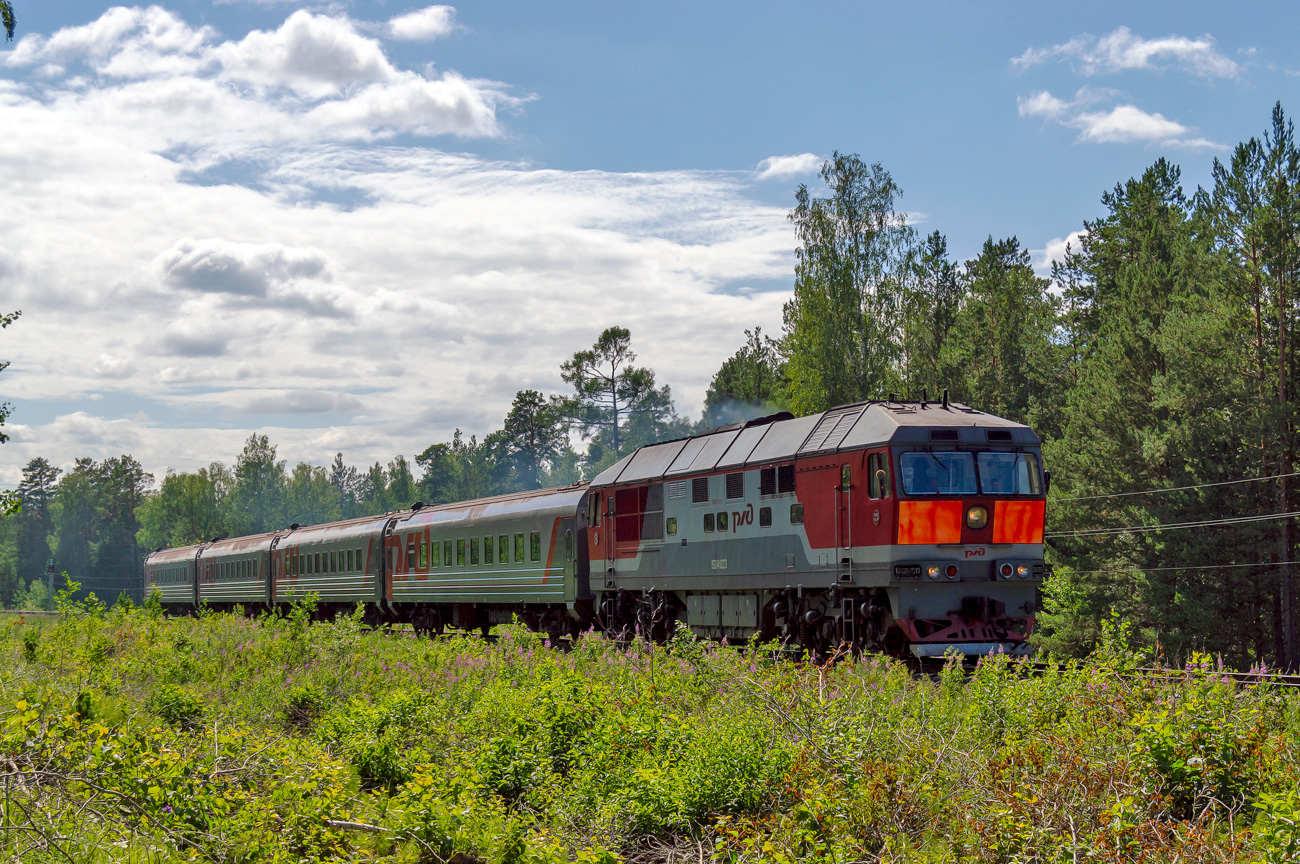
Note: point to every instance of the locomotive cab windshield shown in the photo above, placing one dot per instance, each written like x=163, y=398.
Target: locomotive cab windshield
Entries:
x=954, y=472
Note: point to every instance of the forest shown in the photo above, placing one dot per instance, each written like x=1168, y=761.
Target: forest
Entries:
x=1157, y=362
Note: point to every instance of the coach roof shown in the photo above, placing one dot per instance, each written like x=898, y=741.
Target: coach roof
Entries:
x=783, y=436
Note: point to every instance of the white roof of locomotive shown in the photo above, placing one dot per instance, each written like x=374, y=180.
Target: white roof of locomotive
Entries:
x=783, y=436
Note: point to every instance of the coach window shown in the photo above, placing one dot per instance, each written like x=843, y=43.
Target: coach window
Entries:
x=473, y=551
x=334, y=562
x=736, y=485
x=671, y=525
x=446, y=553
x=460, y=552
x=708, y=523
x=361, y=562
x=796, y=514
x=764, y=517
x=410, y=555
x=503, y=549
x=535, y=546
x=722, y=521
x=519, y=548
x=488, y=558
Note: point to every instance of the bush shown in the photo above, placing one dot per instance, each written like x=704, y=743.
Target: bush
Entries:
x=175, y=705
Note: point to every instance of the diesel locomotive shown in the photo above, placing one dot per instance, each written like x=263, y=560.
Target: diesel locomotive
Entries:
x=907, y=527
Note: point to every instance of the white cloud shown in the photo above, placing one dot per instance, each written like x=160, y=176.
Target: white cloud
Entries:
x=1041, y=104
x=423, y=25
x=1054, y=251
x=1125, y=123
x=1121, y=50
x=218, y=250
x=123, y=42
x=315, y=76
x=785, y=167
x=316, y=55
x=1120, y=124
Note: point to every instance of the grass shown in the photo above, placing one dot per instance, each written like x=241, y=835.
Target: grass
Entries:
x=126, y=736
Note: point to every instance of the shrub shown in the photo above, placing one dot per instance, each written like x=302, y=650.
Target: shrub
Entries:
x=175, y=705
x=306, y=702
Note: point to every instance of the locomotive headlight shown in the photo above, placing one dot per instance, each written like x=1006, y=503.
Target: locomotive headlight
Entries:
x=976, y=518
x=932, y=571
x=1023, y=571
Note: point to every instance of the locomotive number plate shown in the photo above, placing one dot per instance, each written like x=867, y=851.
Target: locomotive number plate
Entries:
x=718, y=564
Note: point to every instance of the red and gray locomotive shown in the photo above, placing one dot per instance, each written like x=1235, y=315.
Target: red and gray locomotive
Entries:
x=903, y=527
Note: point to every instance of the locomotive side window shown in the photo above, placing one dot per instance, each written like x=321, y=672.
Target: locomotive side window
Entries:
x=796, y=514
x=767, y=481
x=878, y=475
x=721, y=521
x=939, y=472
x=652, y=520
x=594, y=518
x=1009, y=474
x=519, y=548
x=846, y=478
x=700, y=490
x=671, y=525
x=764, y=517
x=784, y=479
x=503, y=549
x=708, y=523
x=736, y=485
x=535, y=546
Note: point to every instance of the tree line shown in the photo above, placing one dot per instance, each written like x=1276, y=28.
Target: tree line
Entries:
x=1159, y=358
x=1159, y=355
x=98, y=520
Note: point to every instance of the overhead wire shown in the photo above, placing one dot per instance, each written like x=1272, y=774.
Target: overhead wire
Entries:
x=1189, y=567
x=1174, y=488
x=1173, y=526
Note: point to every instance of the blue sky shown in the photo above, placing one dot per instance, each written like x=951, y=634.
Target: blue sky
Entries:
x=360, y=226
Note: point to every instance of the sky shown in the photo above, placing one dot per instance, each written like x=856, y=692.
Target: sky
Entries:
x=358, y=227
